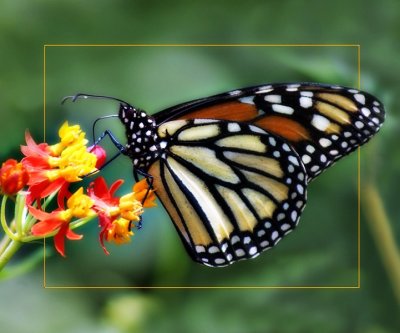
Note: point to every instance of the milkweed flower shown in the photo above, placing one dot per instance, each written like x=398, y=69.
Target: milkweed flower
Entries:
x=51, y=168
x=79, y=206
x=69, y=136
x=13, y=177
x=47, y=171
x=118, y=231
x=117, y=214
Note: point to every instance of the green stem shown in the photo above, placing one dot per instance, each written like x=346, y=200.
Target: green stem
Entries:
x=4, y=221
x=18, y=213
x=381, y=230
x=4, y=243
x=81, y=222
x=9, y=252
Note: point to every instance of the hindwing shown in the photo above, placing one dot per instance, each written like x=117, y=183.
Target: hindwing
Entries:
x=231, y=189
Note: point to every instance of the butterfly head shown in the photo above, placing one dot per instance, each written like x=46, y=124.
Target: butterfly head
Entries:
x=142, y=140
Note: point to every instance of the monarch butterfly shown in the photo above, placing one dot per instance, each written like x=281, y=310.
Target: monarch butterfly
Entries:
x=232, y=169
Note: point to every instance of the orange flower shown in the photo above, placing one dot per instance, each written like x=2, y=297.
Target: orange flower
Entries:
x=116, y=215
x=141, y=189
x=13, y=177
x=119, y=231
x=79, y=206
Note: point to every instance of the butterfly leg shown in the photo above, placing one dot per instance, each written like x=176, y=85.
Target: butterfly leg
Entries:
x=149, y=180
x=121, y=148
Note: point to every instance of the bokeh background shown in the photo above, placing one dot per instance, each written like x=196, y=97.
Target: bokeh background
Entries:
x=322, y=252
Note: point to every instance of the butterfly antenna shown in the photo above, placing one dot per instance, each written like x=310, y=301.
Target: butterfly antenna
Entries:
x=74, y=98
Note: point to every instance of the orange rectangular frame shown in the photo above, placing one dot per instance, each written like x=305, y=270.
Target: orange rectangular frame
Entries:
x=358, y=286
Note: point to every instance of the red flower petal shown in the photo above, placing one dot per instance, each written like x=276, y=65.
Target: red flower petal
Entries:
x=99, y=191
x=38, y=213
x=72, y=235
x=42, y=228
x=44, y=189
x=98, y=187
x=34, y=149
x=104, y=223
x=59, y=239
x=115, y=186
x=63, y=194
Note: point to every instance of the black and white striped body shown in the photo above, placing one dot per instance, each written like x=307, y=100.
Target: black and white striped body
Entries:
x=142, y=147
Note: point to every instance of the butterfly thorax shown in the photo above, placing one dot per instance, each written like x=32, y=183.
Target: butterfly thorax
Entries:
x=142, y=146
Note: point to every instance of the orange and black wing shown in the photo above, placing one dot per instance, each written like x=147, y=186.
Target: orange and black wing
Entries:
x=321, y=122
x=232, y=189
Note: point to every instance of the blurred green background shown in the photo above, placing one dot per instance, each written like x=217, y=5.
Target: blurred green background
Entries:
x=321, y=252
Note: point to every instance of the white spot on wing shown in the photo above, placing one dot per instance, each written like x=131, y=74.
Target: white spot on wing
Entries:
x=306, y=159
x=265, y=89
x=200, y=249
x=273, y=98
x=261, y=233
x=213, y=249
x=256, y=129
x=233, y=127
x=305, y=102
x=282, y=109
x=360, y=98
x=235, y=239
x=366, y=112
x=319, y=122
x=253, y=250
x=359, y=124
x=292, y=87
x=310, y=149
x=203, y=121
x=247, y=100
x=293, y=160
x=235, y=92
x=324, y=142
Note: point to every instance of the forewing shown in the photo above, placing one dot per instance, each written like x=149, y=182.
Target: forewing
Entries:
x=321, y=122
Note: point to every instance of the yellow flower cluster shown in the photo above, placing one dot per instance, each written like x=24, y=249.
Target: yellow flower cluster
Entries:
x=71, y=159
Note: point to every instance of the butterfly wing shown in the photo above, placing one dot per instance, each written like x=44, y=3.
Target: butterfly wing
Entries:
x=321, y=122
x=232, y=189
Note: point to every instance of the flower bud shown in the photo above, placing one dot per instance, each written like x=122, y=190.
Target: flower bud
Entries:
x=100, y=155
x=13, y=177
